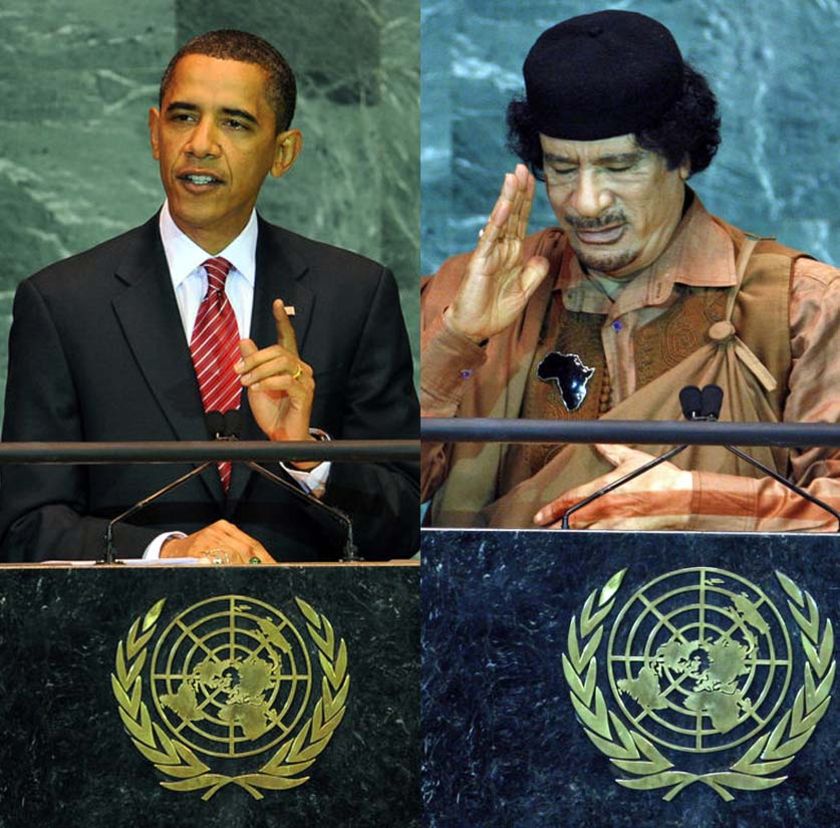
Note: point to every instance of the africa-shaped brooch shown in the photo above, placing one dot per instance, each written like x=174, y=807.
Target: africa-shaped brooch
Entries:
x=569, y=374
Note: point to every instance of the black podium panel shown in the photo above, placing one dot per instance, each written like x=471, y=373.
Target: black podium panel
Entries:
x=238, y=696
x=646, y=679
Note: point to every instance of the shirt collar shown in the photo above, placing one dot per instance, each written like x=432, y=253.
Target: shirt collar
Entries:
x=700, y=254
x=183, y=255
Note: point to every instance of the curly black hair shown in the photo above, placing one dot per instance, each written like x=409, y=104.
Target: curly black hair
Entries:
x=689, y=128
x=232, y=44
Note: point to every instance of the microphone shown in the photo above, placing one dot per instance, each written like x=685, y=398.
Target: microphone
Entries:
x=223, y=426
x=110, y=555
x=215, y=422
x=226, y=427
x=219, y=427
x=698, y=405
x=691, y=402
x=710, y=408
x=710, y=403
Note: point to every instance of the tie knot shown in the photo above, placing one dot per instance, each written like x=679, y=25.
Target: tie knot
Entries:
x=217, y=270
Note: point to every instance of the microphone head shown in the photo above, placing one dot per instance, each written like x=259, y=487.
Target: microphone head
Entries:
x=691, y=402
x=712, y=400
x=233, y=422
x=215, y=424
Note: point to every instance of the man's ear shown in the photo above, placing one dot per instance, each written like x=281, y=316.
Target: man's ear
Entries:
x=154, y=122
x=287, y=147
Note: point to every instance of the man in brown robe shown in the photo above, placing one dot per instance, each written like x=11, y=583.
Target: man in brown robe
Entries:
x=638, y=292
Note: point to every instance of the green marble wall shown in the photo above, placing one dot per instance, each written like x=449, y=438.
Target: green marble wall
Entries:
x=77, y=78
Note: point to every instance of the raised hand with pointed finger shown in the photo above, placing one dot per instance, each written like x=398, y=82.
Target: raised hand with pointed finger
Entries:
x=280, y=385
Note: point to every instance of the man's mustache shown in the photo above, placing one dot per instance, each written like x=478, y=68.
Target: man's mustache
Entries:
x=607, y=220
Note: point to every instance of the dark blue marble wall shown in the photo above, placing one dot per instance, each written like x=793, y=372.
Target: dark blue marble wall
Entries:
x=77, y=78
x=772, y=66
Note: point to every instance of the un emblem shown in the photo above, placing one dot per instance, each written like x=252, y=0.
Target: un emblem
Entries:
x=230, y=678
x=699, y=661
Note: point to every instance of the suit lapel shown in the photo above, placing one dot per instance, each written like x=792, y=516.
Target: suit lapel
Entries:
x=280, y=272
x=148, y=313
x=279, y=275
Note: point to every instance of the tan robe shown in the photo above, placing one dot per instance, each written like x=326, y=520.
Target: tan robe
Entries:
x=744, y=349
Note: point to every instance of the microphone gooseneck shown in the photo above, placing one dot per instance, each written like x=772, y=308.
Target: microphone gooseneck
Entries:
x=226, y=426
x=703, y=406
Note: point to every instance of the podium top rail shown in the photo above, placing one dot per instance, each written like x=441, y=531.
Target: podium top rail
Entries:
x=636, y=432
x=135, y=564
x=203, y=450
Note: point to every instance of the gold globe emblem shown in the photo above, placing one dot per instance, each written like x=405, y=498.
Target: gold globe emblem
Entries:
x=699, y=660
x=231, y=676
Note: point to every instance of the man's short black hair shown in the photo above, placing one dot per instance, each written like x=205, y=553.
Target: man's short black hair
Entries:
x=231, y=44
x=690, y=128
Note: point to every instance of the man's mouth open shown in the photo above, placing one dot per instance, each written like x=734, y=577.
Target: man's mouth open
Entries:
x=199, y=182
x=600, y=235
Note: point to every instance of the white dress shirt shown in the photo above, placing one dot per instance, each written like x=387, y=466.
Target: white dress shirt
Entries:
x=189, y=279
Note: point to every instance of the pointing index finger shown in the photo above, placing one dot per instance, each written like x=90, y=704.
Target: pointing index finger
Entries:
x=285, y=332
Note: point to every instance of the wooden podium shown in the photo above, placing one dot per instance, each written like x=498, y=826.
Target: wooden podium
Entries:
x=223, y=696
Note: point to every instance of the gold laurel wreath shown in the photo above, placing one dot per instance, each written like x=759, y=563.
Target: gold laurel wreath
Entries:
x=174, y=758
x=630, y=751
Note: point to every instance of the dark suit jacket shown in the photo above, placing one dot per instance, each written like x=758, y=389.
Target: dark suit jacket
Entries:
x=97, y=352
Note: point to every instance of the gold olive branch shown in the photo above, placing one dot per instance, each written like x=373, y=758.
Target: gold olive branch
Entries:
x=633, y=753
x=176, y=759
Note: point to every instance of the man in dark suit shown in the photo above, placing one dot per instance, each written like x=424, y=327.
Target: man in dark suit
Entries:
x=101, y=343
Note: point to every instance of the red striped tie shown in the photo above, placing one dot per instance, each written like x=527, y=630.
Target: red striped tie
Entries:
x=215, y=349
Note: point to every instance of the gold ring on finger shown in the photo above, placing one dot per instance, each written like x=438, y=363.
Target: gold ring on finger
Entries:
x=254, y=560
x=296, y=375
